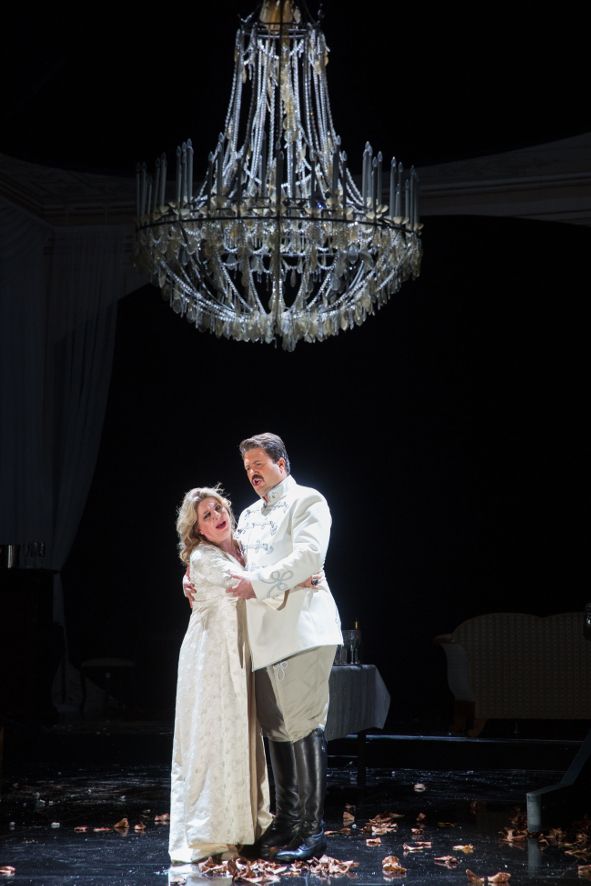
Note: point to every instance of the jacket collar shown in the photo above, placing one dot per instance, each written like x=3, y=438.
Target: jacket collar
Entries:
x=280, y=490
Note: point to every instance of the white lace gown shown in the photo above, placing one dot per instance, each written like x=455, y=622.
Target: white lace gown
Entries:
x=219, y=787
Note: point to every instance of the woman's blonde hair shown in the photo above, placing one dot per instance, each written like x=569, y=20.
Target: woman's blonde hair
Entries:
x=186, y=522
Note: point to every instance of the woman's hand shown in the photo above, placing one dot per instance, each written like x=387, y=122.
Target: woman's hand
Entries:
x=242, y=589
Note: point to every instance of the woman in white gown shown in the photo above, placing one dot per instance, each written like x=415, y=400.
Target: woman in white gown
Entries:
x=219, y=787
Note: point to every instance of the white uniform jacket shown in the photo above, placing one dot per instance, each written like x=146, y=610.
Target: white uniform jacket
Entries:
x=285, y=540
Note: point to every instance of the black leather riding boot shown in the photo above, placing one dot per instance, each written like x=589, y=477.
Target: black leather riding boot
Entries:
x=310, y=755
x=287, y=819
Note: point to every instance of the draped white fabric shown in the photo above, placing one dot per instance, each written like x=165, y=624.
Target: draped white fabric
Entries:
x=24, y=503
x=59, y=289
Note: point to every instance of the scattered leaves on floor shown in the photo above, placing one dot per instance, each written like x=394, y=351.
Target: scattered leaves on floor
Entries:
x=243, y=870
x=476, y=879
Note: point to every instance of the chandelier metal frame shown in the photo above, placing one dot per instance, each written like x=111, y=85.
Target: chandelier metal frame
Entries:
x=278, y=242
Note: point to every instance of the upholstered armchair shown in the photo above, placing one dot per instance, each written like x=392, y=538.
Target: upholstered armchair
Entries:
x=511, y=665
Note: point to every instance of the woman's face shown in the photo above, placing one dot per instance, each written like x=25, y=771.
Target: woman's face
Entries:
x=213, y=520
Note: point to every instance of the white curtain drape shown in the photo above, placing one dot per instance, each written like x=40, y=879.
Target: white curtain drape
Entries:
x=24, y=504
x=59, y=289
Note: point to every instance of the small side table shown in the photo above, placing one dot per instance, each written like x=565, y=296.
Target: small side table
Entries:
x=359, y=700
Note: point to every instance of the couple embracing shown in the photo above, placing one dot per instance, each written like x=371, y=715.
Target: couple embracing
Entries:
x=256, y=657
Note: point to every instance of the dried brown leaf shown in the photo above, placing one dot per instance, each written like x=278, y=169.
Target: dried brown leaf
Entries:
x=418, y=846
x=449, y=861
x=327, y=866
x=382, y=824
x=391, y=865
x=81, y=828
x=501, y=877
x=582, y=854
x=466, y=848
x=164, y=817
x=122, y=825
x=348, y=818
x=556, y=836
x=101, y=830
x=510, y=835
x=373, y=841
x=417, y=831
x=584, y=870
x=7, y=870
x=140, y=826
x=474, y=878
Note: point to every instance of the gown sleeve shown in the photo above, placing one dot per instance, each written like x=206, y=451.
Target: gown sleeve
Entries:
x=212, y=568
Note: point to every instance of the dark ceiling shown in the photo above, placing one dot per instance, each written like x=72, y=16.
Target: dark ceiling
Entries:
x=429, y=85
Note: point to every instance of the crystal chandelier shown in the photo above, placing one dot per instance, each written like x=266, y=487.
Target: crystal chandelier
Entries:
x=278, y=241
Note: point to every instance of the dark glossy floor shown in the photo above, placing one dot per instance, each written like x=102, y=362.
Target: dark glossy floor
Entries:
x=41, y=821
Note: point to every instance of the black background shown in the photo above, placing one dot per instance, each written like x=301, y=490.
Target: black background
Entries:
x=443, y=431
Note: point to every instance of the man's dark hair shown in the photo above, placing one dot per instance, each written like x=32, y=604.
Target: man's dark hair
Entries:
x=271, y=443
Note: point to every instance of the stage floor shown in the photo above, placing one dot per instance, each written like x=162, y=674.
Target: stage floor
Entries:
x=41, y=816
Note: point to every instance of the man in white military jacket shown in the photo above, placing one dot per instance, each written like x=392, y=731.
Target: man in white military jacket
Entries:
x=293, y=633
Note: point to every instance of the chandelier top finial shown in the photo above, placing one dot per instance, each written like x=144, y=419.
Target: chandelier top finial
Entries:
x=275, y=13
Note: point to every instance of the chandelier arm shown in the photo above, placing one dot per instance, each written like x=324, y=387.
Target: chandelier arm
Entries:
x=314, y=63
x=311, y=131
x=186, y=282
x=203, y=279
x=235, y=291
x=252, y=288
x=277, y=303
x=271, y=98
x=299, y=141
x=325, y=136
x=233, y=134
x=209, y=306
x=259, y=147
x=246, y=149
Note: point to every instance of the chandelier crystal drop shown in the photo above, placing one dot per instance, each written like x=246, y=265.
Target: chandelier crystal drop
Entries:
x=278, y=242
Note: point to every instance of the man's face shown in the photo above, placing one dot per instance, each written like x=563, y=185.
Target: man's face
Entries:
x=262, y=472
